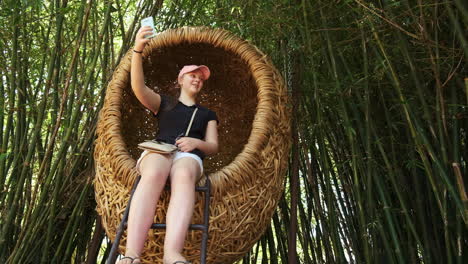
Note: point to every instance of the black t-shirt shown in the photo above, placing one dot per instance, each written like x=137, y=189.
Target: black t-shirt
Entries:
x=174, y=122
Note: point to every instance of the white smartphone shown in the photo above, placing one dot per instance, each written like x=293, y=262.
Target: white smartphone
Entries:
x=148, y=21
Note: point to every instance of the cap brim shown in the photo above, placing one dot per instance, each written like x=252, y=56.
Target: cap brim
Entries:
x=191, y=68
x=205, y=71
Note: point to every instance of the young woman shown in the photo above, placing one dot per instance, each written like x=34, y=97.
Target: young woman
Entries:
x=183, y=168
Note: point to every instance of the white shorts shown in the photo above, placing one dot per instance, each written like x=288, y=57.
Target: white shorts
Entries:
x=177, y=155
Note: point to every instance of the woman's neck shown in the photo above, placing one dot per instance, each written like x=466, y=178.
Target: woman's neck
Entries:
x=186, y=99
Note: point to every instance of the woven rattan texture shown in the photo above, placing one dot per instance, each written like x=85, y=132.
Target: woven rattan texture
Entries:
x=247, y=174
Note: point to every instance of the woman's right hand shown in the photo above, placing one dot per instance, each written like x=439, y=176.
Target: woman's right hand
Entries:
x=140, y=40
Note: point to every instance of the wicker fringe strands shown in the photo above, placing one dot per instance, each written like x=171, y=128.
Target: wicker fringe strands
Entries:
x=247, y=174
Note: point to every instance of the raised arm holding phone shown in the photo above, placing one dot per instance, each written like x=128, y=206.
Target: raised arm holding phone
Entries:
x=184, y=168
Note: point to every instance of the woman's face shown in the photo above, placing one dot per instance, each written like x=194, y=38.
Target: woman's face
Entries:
x=191, y=82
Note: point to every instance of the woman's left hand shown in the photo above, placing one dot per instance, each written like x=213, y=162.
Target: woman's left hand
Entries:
x=187, y=144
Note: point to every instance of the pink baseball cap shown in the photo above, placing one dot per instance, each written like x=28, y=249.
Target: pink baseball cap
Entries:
x=190, y=68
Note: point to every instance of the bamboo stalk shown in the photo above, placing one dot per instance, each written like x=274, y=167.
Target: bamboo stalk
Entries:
x=381, y=123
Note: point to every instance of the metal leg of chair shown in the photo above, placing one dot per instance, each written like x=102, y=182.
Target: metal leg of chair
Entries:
x=206, y=221
x=115, y=246
x=206, y=218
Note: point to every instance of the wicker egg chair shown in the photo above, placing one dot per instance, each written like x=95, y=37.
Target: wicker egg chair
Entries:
x=247, y=174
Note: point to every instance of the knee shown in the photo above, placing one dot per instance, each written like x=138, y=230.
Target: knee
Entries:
x=154, y=177
x=184, y=175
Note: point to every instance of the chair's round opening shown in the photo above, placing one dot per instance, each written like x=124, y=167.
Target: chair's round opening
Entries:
x=231, y=92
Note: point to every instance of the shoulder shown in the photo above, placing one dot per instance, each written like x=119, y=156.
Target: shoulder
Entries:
x=165, y=97
x=167, y=103
x=207, y=113
x=203, y=109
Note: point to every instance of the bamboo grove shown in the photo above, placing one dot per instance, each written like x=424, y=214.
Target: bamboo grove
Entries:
x=379, y=93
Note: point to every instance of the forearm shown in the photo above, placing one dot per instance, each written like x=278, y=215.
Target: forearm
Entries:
x=145, y=95
x=136, y=75
x=209, y=148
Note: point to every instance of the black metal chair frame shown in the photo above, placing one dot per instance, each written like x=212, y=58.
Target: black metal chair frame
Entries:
x=203, y=227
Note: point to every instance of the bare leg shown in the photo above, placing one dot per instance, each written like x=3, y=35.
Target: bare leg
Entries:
x=154, y=170
x=184, y=173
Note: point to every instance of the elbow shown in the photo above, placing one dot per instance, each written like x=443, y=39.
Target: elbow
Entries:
x=215, y=148
x=208, y=147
